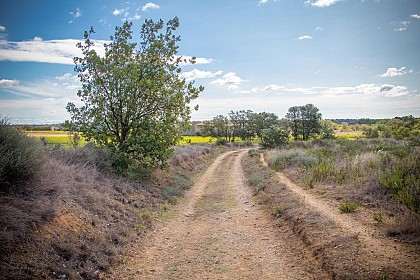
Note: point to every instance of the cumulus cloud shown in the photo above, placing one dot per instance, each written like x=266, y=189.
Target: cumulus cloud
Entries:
x=305, y=37
x=4, y=83
x=118, y=12
x=231, y=80
x=49, y=51
x=2, y=28
x=416, y=16
x=394, y=72
x=321, y=3
x=198, y=74
x=262, y=2
x=151, y=6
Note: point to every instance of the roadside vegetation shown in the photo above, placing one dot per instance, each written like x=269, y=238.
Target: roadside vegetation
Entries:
x=372, y=171
x=70, y=216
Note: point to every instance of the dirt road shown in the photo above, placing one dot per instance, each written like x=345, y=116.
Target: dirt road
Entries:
x=217, y=232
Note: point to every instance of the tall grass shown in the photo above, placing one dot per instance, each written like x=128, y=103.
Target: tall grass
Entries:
x=20, y=155
x=384, y=167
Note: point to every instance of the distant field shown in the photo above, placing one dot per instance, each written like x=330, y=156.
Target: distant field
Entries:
x=351, y=135
x=63, y=138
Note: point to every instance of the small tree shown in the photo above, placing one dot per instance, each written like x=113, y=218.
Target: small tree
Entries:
x=274, y=137
x=133, y=98
x=327, y=130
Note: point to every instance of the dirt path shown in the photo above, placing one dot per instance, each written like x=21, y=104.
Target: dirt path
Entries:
x=217, y=232
x=380, y=250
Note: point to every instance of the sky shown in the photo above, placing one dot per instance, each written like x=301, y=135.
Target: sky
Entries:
x=350, y=58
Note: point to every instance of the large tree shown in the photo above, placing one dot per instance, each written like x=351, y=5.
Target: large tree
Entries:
x=133, y=98
x=241, y=124
x=305, y=120
x=263, y=120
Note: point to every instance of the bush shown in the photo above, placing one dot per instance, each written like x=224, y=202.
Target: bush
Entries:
x=282, y=158
x=348, y=207
x=20, y=155
x=274, y=137
x=221, y=142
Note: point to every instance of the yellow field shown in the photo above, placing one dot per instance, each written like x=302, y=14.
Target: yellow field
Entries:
x=62, y=137
x=186, y=140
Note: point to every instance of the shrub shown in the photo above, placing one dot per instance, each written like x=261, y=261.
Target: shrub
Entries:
x=348, y=207
x=221, y=141
x=274, y=137
x=20, y=155
x=282, y=158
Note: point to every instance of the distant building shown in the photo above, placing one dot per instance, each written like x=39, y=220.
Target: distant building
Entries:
x=56, y=128
x=196, y=129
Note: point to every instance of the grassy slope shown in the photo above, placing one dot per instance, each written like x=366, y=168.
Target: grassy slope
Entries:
x=336, y=171
x=70, y=220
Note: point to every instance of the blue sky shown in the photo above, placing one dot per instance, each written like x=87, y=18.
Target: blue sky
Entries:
x=350, y=58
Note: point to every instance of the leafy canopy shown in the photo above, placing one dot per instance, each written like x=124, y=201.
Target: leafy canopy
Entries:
x=133, y=98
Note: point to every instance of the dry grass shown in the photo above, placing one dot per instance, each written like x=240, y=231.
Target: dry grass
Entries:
x=73, y=221
x=338, y=251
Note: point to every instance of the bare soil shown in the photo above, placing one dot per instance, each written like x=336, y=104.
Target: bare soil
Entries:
x=218, y=232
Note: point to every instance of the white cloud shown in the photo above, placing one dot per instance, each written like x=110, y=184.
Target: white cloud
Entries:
x=305, y=37
x=417, y=16
x=198, y=74
x=382, y=90
x=401, y=26
x=198, y=60
x=319, y=29
x=150, y=5
x=231, y=80
x=262, y=2
x=272, y=87
x=60, y=87
x=321, y=3
x=49, y=51
x=77, y=13
x=2, y=28
x=135, y=17
x=117, y=12
x=393, y=72
x=4, y=83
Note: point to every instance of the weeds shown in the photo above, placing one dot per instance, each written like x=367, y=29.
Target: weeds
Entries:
x=348, y=207
x=20, y=155
x=377, y=168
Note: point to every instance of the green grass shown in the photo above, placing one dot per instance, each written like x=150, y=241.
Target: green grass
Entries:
x=348, y=207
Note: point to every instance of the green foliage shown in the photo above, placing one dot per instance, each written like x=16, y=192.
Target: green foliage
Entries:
x=220, y=141
x=383, y=167
x=327, y=129
x=348, y=207
x=274, y=137
x=134, y=100
x=280, y=159
x=305, y=121
x=20, y=156
x=241, y=124
x=261, y=121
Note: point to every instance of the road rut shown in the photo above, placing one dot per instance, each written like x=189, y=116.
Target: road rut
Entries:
x=217, y=232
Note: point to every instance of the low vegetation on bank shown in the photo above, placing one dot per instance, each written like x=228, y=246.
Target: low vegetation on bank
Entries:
x=371, y=171
x=67, y=213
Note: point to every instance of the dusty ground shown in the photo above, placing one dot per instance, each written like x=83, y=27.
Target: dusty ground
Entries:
x=217, y=232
